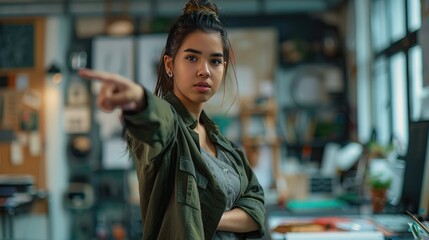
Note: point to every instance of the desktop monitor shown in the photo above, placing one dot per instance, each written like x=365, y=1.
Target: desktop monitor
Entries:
x=415, y=191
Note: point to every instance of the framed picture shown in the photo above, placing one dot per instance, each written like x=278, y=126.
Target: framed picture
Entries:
x=19, y=41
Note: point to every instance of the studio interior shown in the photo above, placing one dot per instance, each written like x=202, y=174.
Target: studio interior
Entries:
x=331, y=110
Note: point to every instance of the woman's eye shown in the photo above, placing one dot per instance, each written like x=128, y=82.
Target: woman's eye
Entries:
x=191, y=58
x=216, y=61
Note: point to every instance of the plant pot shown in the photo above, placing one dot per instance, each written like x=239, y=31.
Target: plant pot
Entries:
x=378, y=199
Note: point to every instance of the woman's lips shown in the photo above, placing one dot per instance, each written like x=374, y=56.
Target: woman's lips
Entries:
x=202, y=87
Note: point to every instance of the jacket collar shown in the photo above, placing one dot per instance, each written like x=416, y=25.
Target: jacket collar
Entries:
x=187, y=117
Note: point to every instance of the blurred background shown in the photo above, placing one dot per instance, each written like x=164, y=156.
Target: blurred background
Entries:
x=332, y=101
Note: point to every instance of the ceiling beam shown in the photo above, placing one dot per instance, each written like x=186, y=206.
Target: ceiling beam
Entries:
x=155, y=8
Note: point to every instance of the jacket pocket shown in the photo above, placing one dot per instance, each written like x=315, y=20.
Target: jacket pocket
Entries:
x=186, y=165
x=190, y=183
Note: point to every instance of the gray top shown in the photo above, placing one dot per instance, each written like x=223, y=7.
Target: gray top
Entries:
x=228, y=180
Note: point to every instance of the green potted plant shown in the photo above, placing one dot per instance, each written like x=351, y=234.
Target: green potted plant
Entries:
x=379, y=185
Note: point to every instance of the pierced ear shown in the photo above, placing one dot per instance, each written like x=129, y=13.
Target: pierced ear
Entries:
x=168, y=63
x=225, y=65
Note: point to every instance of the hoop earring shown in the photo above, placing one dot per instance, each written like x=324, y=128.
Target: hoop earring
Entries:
x=170, y=74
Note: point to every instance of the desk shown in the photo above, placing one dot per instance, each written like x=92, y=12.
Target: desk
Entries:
x=392, y=225
x=344, y=227
x=9, y=207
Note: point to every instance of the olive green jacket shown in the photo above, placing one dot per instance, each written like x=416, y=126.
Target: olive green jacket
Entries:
x=179, y=196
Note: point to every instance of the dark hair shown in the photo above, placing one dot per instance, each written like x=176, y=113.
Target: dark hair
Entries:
x=197, y=15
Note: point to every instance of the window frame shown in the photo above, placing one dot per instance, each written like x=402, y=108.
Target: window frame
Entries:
x=401, y=45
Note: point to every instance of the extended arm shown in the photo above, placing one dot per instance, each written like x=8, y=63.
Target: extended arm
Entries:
x=148, y=120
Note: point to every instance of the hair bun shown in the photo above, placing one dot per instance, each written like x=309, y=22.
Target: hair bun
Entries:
x=201, y=5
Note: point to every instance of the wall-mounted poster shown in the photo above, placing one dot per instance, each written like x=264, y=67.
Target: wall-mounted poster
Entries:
x=77, y=119
x=249, y=54
x=11, y=106
x=115, y=55
x=149, y=50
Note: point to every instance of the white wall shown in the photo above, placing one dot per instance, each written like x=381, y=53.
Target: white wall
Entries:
x=363, y=76
x=58, y=29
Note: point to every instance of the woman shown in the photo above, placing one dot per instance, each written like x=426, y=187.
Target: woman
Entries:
x=193, y=182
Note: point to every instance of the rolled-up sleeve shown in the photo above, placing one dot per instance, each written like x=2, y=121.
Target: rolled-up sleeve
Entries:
x=252, y=200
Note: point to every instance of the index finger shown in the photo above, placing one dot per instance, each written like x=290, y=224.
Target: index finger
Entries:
x=96, y=75
x=103, y=76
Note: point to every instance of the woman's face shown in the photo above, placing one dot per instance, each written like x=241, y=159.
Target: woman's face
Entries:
x=198, y=67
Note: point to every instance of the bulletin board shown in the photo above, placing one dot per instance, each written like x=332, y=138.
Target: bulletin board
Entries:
x=22, y=131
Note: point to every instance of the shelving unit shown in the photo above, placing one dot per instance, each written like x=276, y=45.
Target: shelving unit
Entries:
x=316, y=111
x=253, y=115
x=313, y=128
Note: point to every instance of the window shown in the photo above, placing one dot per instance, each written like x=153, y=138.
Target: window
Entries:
x=396, y=19
x=396, y=72
x=381, y=101
x=379, y=34
x=416, y=77
x=399, y=98
x=414, y=16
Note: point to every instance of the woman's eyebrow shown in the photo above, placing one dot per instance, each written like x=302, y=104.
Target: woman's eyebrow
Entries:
x=216, y=54
x=192, y=51
x=199, y=52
